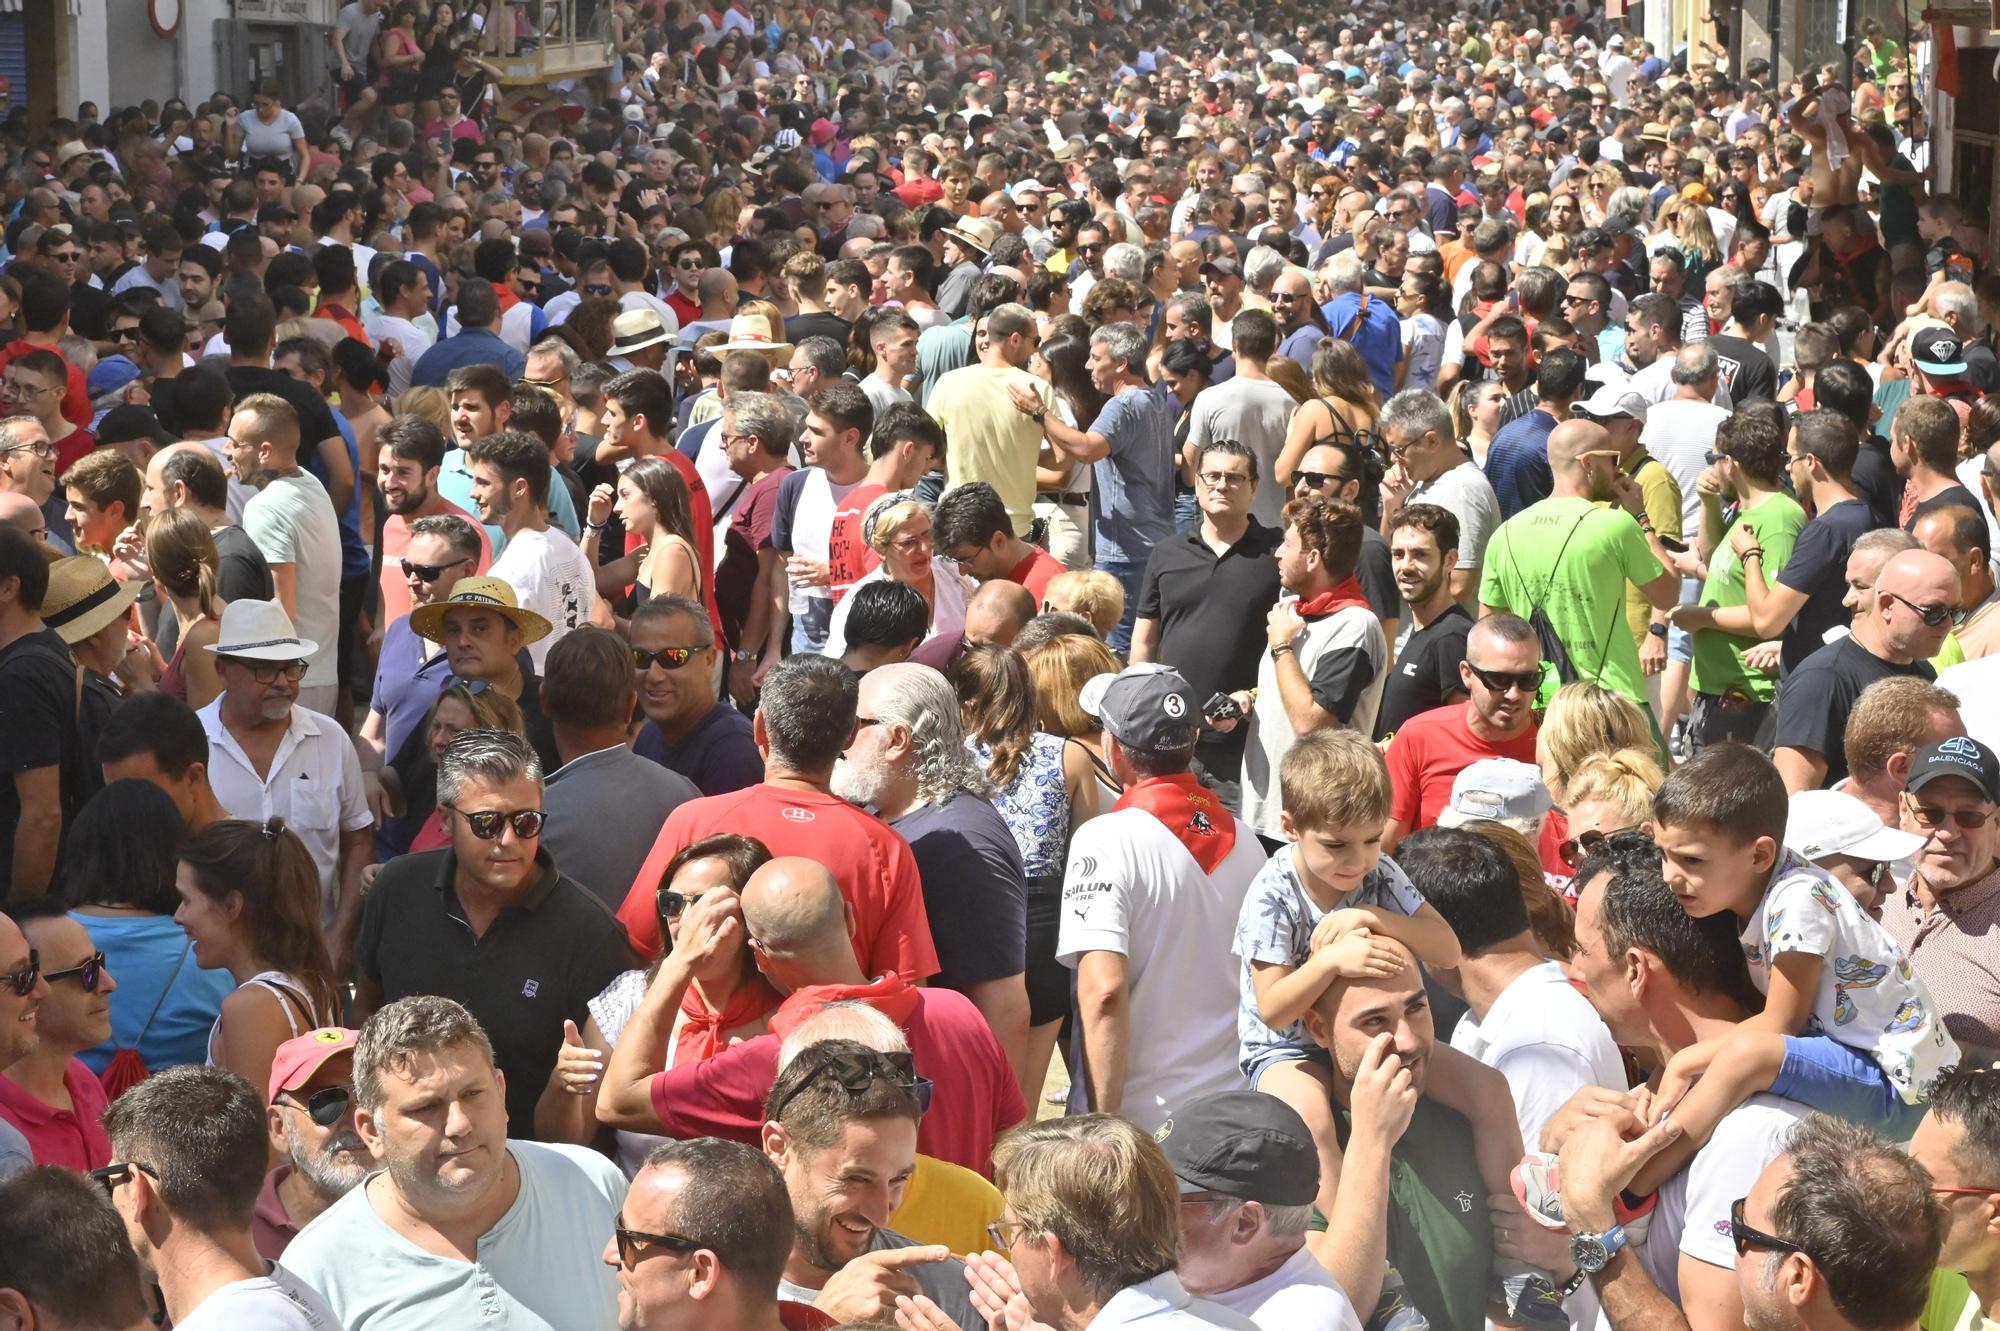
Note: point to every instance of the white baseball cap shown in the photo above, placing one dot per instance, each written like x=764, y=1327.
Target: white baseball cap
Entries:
x=1821, y=823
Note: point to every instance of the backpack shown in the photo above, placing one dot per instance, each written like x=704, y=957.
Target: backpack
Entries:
x=1554, y=654
x=126, y=1068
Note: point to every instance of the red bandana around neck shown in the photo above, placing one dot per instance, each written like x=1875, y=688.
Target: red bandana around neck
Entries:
x=1190, y=811
x=1334, y=599
x=892, y=996
x=704, y=1033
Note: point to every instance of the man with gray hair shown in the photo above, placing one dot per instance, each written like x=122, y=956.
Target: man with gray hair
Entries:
x=1130, y=447
x=914, y=769
x=1371, y=325
x=462, y=1224
x=1426, y=466
x=1680, y=432
x=489, y=920
x=756, y=435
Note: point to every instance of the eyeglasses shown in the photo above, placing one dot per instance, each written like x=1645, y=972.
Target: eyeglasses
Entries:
x=41, y=448
x=546, y=383
x=912, y=543
x=110, y=1176
x=855, y=1073
x=14, y=388
x=1940, y=1190
x=87, y=974
x=1747, y=1238
x=667, y=658
x=1935, y=616
x=1930, y=816
x=1527, y=681
x=997, y=1230
x=268, y=672
x=325, y=1106
x=1215, y=480
x=24, y=978
x=486, y=823
x=633, y=1243
x=1574, y=849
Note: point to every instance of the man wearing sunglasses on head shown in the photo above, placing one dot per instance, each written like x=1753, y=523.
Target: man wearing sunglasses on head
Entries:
x=1944, y=915
x=50, y=1096
x=491, y=921
x=310, y=1121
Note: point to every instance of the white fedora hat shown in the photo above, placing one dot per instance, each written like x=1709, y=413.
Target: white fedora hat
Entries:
x=260, y=631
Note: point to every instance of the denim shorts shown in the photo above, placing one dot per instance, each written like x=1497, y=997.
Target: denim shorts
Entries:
x=1680, y=643
x=1837, y=1079
x=1269, y=1057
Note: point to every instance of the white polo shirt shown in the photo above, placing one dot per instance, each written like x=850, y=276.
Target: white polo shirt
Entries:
x=1131, y=887
x=314, y=785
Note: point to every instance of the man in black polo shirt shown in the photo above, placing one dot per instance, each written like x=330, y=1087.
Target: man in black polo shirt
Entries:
x=490, y=921
x=1205, y=597
x=1423, y=542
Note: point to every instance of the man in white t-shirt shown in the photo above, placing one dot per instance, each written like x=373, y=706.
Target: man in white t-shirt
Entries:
x=547, y=570
x=191, y=1146
x=1662, y=981
x=1250, y=408
x=1150, y=898
x=1248, y=1172
x=1428, y=467
x=291, y=519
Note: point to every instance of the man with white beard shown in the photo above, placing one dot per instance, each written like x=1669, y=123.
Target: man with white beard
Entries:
x=311, y=1121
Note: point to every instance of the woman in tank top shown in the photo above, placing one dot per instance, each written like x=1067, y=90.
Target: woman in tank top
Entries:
x=250, y=903
x=1343, y=413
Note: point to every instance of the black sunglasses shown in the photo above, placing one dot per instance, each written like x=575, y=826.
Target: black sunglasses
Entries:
x=23, y=978
x=1577, y=847
x=1747, y=1238
x=486, y=824
x=87, y=974
x=1313, y=480
x=1527, y=681
x=632, y=1243
x=110, y=1176
x=427, y=572
x=326, y=1105
x=667, y=658
x=857, y=1072
x=1935, y=616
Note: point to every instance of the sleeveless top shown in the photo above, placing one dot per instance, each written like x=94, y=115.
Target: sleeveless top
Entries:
x=291, y=996
x=1035, y=805
x=1342, y=432
x=1109, y=792
x=173, y=681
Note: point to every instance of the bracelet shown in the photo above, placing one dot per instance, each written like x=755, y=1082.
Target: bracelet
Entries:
x=588, y=525
x=1645, y=523
x=1282, y=649
x=1754, y=552
x=1573, y=1284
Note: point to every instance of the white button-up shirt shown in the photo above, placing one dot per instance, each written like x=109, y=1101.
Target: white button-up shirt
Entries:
x=314, y=784
x=1163, y=1304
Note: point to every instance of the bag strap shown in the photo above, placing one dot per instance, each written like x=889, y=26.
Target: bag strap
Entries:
x=1360, y=318
x=165, y=989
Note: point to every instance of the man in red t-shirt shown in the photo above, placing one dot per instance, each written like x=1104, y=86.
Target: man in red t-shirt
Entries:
x=905, y=444
x=804, y=722
x=797, y=916
x=973, y=528
x=1502, y=671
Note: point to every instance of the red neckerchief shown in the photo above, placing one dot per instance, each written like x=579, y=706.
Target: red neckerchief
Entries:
x=1862, y=245
x=892, y=996
x=508, y=297
x=1333, y=600
x=1190, y=811
x=702, y=1034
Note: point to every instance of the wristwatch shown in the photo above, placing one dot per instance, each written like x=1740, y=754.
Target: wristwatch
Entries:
x=1657, y=630
x=1593, y=1252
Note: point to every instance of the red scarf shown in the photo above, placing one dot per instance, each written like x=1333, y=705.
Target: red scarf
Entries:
x=703, y=1033
x=1334, y=599
x=509, y=298
x=1190, y=811
x=892, y=996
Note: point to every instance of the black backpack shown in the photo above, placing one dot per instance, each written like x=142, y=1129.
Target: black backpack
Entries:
x=1555, y=656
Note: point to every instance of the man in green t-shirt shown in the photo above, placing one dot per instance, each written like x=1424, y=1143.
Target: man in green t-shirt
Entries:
x=1732, y=699
x=1572, y=560
x=1410, y=1220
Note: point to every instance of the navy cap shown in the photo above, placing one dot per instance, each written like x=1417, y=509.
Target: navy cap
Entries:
x=1243, y=1144
x=1962, y=757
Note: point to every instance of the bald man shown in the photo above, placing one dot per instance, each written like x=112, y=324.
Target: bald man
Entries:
x=1571, y=559
x=1910, y=612
x=17, y=510
x=799, y=928
x=997, y=612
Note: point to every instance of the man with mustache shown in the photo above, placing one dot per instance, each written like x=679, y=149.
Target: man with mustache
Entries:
x=311, y=1121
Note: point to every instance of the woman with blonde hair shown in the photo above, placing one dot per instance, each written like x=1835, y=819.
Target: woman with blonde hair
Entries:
x=250, y=903
x=1606, y=793
x=898, y=528
x=1585, y=719
x=1091, y=593
x=1060, y=668
x=1343, y=413
x=1695, y=236
x=182, y=555
x=432, y=404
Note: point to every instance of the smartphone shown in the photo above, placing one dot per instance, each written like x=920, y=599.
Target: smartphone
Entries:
x=1222, y=707
x=1678, y=547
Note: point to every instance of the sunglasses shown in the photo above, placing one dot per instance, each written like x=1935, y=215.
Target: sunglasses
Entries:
x=597, y=288
x=1935, y=616
x=429, y=572
x=24, y=978
x=325, y=1106
x=486, y=824
x=110, y=1176
x=1930, y=816
x=1747, y=1238
x=87, y=974
x=1314, y=480
x=669, y=904
x=1527, y=681
x=1576, y=848
x=855, y=1073
x=667, y=658
x=633, y=1243
x=268, y=672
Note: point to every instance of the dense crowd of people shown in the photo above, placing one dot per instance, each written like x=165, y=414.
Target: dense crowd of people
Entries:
x=1202, y=666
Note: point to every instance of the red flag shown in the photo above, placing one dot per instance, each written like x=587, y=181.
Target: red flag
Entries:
x=1946, y=39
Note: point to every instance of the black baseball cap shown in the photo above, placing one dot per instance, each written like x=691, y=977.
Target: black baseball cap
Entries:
x=1242, y=1144
x=1960, y=756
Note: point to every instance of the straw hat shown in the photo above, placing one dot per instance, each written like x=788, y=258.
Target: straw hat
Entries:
x=427, y=621
x=83, y=597
x=977, y=232
x=753, y=332
x=635, y=330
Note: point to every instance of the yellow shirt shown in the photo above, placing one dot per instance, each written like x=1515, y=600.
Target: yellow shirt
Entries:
x=948, y=1204
x=987, y=439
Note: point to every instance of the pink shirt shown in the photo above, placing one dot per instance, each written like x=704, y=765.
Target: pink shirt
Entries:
x=72, y=1138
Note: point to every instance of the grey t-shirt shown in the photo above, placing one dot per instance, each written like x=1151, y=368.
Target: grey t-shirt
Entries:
x=15, y=1154
x=943, y=1283
x=1255, y=413
x=358, y=30
x=592, y=794
x=274, y=1301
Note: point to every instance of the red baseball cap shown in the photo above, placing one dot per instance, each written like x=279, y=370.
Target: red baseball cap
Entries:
x=301, y=1056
